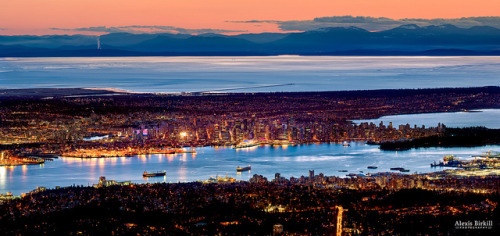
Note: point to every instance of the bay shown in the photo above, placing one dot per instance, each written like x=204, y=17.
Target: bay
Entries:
x=212, y=161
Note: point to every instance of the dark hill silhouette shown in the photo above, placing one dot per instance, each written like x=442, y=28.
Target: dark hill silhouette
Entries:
x=402, y=40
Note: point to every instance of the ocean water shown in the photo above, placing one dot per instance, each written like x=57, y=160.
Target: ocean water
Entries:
x=249, y=74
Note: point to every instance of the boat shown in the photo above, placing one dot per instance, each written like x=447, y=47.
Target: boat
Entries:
x=437, y=164
x=397, y=168
x=346, y=144
x=449, y=161
x=32, y=161
x=240, y=169
x=372, y=167
x=490, y=154
x=404, y=170
x=220, y=180
x=246, y=145
x=154, y=174
x=185, y=151
x=342, y=170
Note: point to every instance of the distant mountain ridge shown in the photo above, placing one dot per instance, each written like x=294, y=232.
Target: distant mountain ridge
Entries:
x=403, y=40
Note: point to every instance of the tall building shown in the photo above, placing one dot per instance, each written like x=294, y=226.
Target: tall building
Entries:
x=311, y=175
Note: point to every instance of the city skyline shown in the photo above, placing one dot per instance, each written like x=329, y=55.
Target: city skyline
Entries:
x=31, y=17
x=321, y=117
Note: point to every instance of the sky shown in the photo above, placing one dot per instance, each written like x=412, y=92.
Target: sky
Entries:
x=38, y=17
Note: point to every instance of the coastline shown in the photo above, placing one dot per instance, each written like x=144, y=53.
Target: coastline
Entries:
x=266, y=161
x=472, y=168
x=351, y=53
x=107, y=91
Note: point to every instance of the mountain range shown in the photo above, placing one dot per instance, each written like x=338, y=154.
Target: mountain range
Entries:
x=402, y=40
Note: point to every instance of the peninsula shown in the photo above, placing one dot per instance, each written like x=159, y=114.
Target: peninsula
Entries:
x=101, y=123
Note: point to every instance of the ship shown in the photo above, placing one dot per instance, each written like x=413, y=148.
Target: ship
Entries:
x=185, y=151
x=246, y=145
x=220, y=180
x=404, y=170
x=397, y=168
x=372, y=167
x=154, y=174
x=448, y=161
x=490, y=154
x=32, y=161
x=240, y=169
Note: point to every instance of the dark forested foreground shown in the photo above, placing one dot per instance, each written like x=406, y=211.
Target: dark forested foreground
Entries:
x=249, y=209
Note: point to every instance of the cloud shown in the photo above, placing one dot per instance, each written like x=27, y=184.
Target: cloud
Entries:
x=254, y=21
x=141, y=29
x=376, y=23
x=3, y=28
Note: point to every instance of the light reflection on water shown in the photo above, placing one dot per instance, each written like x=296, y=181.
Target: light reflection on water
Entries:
x=189, y=74
x=210, y=161
x=3, y=177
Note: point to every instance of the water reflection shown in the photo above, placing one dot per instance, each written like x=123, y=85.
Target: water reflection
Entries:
x=182, y=173
x=356, y=73
x=212, y=161
x=102, y=163
x=184, y=157
x=3, y=176
x=151, y=180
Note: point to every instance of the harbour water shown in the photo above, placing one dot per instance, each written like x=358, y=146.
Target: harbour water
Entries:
x=211, y=161
x=250, y=74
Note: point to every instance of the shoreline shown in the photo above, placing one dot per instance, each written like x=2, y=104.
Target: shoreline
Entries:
x=57, y=92
x=93, y=53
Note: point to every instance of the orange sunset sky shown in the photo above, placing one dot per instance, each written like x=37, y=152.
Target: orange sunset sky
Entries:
x=38, y=16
